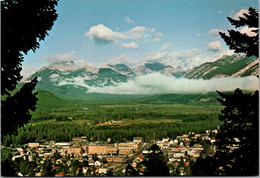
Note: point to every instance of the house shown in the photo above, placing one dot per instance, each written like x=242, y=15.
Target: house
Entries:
x=14, y=157
x=179, y=154
x=137, y=139
x=83, y=138
x=134, y=164
x=85, y=169
x=102, y=170
x=38, y=174
x=165, y=139
x=97, y=163
x=62, y=144
x=60, y=174
x=76, y=139
x=139, y=158
x=116, y=159
x=33, y=145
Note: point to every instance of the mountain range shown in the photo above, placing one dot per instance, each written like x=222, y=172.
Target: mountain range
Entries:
x=65, y=79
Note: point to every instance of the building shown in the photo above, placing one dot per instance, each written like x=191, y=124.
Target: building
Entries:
x=98, y=149
x=111, y=150
x=102, y=170
x=33, y=145
x=116, y=159
x=137, y=139
x=125, y=148
x=75, y=150
x=60, y=174
x=76, y=139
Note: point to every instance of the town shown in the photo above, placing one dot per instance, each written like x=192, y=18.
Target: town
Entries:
x=83, y=157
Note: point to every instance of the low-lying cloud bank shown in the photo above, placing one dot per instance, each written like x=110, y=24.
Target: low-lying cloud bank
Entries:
x=156, y=83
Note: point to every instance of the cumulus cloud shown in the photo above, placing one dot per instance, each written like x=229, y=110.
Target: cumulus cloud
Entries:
x=55, y=58
x=183, y=58
x=157, y=83
x=137, y=32
x=103, y=35
x=216, y=31
x=241, y=13
x=132, y=45
x=214, y=46
x=167, y=46
x=248, y=31
x=128, y=20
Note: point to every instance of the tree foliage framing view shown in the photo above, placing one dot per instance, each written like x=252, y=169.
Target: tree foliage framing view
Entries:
x=242, y=43
x=238, y=138
x=24, y=24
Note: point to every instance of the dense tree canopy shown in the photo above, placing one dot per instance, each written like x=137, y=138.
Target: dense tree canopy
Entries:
x=241, y=42
x=155, y=162
x=15, y=109
x=24, y=24
x=237, y=140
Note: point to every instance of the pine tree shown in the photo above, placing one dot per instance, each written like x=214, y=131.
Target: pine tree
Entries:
x=242, y=43
x=16, y=108
x=237, y=140
x=130, y=171
x=24, y=24
x=155, y=162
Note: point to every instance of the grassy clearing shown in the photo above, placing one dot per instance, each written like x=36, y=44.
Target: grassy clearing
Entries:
x=127, y=122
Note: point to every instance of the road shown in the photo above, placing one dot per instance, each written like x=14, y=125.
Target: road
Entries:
x=129, y=160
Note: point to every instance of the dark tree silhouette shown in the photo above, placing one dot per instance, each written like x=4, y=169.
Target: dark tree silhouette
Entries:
x=16, y=109
x=24, y=24
x=242, y=43
x=155, y=162
x=237, y=140
x=130, y=171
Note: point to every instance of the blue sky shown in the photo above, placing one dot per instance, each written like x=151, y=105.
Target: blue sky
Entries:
x=176, y=32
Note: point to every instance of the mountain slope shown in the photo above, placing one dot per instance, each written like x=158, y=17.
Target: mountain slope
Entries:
x=226, y=66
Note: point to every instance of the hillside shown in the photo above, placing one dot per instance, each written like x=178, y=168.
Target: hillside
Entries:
x=226, y=66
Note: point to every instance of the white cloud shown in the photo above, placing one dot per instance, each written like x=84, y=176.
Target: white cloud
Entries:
x=82, y=62
x=198, y=34
x=248, y=31
x=183, y=58
x=219, y=12
x=128, y=20
x=241, y=13
x=167, y=46
x=157, y=83
x=103, y=35
x=28, y=70
x=124, y=59
x=216, y=31
x=214, y=46
x=137, y=32
x=54, y=77
x=55, y=58
x=132, y=45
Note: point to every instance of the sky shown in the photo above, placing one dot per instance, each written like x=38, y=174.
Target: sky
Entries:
x=174, y=32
